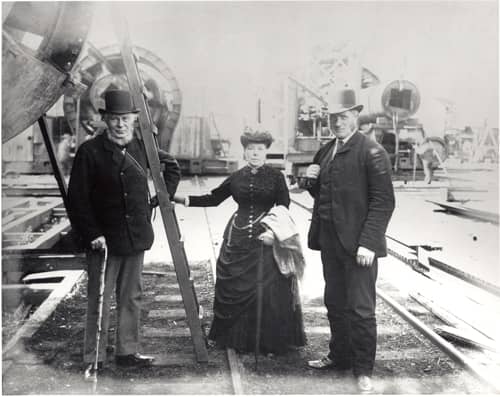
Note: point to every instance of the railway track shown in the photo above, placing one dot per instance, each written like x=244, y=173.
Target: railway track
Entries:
x=430, y=292
x=242, y=365
x=406, y=362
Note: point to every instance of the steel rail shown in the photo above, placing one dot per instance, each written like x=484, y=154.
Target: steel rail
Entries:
x=432, y=336
x=436, y=263
x=232, y=357
x=440, y=342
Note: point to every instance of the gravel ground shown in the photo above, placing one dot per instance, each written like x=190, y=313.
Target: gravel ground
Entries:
x=50, y=362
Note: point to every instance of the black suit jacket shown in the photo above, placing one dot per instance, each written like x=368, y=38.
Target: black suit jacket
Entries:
x=362, y=194
x=108, y=194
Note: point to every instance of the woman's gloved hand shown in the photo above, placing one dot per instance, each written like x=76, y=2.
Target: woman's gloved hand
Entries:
x=153, y=202
x=267, y=237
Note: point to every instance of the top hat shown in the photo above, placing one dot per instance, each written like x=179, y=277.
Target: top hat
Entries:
x=118, y=102
x=250, y=136
x=342, y=101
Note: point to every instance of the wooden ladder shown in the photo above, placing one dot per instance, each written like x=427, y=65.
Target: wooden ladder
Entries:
x=167, y=210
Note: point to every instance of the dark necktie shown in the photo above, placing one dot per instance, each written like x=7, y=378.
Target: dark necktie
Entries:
x=340, y=143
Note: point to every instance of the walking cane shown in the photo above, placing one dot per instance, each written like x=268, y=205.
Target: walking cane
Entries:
x=91, y=371
x=260, y=272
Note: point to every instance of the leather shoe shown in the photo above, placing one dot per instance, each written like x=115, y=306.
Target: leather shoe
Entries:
x=364, y=384
x=327, y=363
x=135, y=359
x=90, y=372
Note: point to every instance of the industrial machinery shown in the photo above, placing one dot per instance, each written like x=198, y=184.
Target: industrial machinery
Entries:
x=42, y=42
x=301, y=126
x=35, y=76
x=103, y=69
x=410, y=135
x=296, y=112
x=459, y=143
x=81, y=77
x=188, y=138
x=472, y=145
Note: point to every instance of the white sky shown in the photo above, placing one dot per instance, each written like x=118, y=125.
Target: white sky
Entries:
x=220, y=51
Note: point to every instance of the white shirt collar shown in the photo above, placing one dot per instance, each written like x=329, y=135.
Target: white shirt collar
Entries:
x=347, y=138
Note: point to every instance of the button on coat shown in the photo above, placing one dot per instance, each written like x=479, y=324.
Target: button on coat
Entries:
x=108, y=194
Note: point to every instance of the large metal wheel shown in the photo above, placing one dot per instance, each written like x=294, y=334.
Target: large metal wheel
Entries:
x=103, y=69
x=41, y=44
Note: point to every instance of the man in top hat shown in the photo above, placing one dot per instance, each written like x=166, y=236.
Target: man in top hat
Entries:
x=350, y=180
x=109, y=206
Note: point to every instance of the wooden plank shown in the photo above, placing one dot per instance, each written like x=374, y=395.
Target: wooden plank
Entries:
x=446, y=301
x=452, y=317
x=15, y=294
x=168, y=298
x=20, y=205
x=471, y=366
x=166, y=207
x=40, y=264
x=439, y=264
x=150, y=332
x=458, y=209
x=325, y=330
x=235, y=369
x=31, y=220
x=56, y=276
x=47, y=239
x=171, y=314
x=40, y=260
x=31, y=191
x=464, y=337
x=196, y=273
x=22, y=311
x=173, y=360
x=45, y=310
x=30, y=287
x=472, y=292
x=28, y=204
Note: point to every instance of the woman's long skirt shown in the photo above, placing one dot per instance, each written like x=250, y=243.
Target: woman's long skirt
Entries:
x=235, y=304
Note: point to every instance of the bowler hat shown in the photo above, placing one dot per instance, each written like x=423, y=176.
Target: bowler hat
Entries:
x=342, y=101
x=118, y=102
x=250, y=136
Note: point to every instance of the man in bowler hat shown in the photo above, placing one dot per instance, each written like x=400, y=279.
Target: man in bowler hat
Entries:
x=110, y=207
x=350, y=181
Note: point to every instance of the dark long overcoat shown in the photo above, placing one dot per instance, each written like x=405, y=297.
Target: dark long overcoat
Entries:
x=108, y=194
x=361, y=191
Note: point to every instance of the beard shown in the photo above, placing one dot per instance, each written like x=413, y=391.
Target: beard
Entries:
x=122, y=140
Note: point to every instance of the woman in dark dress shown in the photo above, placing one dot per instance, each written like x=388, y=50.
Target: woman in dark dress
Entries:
x=256, y=188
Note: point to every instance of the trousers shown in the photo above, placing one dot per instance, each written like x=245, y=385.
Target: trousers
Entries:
x=350, y=298
x=123, y=276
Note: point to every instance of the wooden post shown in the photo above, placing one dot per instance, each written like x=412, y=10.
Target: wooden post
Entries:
x=56, y=167
x=166, y=207
x=396, y=149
